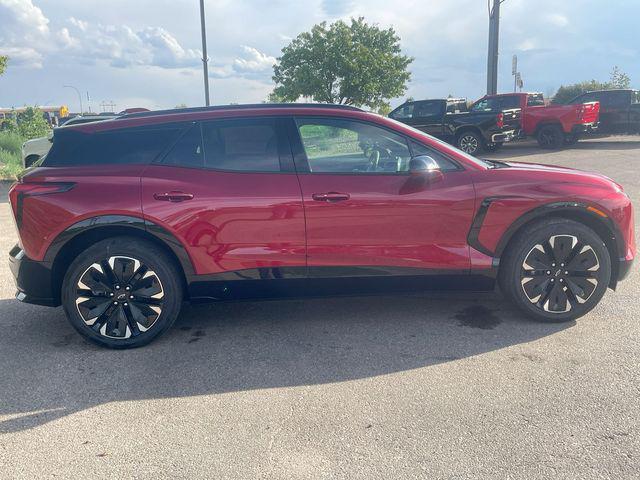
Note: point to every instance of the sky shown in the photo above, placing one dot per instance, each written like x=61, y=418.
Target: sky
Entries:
x=146, y=53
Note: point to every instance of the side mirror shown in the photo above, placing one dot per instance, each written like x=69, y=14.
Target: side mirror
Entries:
x=426, y=167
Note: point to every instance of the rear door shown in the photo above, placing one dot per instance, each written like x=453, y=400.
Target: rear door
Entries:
x=228, y=191
x=428, y=116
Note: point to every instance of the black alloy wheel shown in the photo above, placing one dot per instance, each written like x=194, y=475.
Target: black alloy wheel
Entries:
x=122, y=292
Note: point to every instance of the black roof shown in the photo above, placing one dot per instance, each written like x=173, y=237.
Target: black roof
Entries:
x=239, y=107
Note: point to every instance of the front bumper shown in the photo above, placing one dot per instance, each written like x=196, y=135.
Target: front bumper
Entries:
x=33, y=279
x=585, y=128
x=503, y=136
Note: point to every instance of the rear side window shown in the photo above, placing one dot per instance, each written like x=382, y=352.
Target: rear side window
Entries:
x=535, y=100
x=427, y=109
x=123, y=146
x=509, y=102
x=241, y=145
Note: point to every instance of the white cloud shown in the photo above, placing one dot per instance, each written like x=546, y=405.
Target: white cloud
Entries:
x=254, y=61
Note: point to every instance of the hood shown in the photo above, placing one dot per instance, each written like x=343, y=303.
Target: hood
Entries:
x=566, y=174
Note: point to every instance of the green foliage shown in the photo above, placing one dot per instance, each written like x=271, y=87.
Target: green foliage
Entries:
x=10, y=154
x=619, y=79
x=569, y=92
x=11, y=142
x=31, y=124
x=3, y=63
x=356, y=64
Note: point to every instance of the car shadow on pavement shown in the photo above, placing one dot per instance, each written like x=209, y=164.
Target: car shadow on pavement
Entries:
x=49, y=371
x=528, y=148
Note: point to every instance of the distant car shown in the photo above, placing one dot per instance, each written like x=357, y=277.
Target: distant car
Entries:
x=450, y=120
x=124, y=219
x=553, y=126
x=619, y=110
x=34, y=150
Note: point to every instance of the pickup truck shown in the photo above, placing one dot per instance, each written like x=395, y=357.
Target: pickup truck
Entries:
x=449, y=119
x=554, y=125
x=619, y=110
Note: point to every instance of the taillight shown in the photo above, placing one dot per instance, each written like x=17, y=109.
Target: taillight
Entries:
x=581, y=110
x=20, y=191
x=500, y=121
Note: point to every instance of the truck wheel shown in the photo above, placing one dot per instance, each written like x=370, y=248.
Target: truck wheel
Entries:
x=571, y=139
x=551, y=137
x=555, y=270
x=122, y=292
x=470, y=142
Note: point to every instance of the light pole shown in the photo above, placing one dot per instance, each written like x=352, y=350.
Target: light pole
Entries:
x=205, y=59
x=492, y=56
x=79, y=96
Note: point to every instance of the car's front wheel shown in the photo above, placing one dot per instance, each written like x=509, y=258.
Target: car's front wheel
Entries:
x=122, y=292
x=556, y=270
x=470, y=142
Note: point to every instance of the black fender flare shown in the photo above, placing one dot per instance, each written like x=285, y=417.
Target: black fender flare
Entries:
x=124, y=221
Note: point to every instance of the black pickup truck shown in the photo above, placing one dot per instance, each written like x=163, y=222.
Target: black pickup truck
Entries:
x=471, y=130
x=619, y=110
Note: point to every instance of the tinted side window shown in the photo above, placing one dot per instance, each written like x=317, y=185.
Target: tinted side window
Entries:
x=403, y=112
x=345, y=146
x=123, y=146
x=485, y=105
x=615, y=99
x=509, y=102
x=535, y=100
x=443, y=162
x=188, y=151
x=427, y=109
x=241, y=145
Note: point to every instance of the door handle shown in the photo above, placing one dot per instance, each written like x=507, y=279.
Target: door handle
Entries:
x=330, y=197
x=173, y=196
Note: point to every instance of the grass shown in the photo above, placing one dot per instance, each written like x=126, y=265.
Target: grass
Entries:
x=10, y=154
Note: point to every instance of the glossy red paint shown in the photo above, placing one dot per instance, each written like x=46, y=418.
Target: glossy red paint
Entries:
x=234, y=221
x=237, y=221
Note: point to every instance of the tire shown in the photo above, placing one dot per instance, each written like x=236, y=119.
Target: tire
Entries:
x=122, y=292
x=550, y=137
x=470, y=142
x=540, y=252
x=571, y=139
x=30, y=160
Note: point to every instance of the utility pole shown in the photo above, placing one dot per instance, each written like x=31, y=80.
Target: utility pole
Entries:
x=492, y=57
x=205, y=58
x=79, y=96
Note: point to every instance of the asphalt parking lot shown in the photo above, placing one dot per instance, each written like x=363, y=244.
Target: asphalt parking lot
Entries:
x=417, y=386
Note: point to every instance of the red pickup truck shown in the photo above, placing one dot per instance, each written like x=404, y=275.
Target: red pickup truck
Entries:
x=553, y=125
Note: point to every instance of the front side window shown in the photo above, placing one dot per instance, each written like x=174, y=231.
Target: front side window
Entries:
x=404, y=112
x=345, y=146
x=443, y=162
x=241, y=145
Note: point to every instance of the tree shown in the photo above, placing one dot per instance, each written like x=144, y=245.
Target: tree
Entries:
x=31, y=123
x=569, y=92
x=3, y=63
x=619, y=79
x=356, y=64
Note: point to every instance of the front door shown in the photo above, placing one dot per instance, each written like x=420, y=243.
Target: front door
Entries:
x=363, y=209
x=228, y=192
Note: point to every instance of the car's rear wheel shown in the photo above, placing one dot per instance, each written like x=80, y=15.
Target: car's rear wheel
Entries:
x=550, y=137
x=122, y=292
x=556, y=270
x=470, y=142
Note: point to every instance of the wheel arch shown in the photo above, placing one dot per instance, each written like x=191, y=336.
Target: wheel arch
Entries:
x=81, y=235
x=468, y=128
x=605, y=228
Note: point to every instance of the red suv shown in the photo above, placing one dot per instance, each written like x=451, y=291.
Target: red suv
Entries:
x=124, y=219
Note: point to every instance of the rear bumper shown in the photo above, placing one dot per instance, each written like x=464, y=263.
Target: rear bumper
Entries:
x=33, y=279
x=503, y=136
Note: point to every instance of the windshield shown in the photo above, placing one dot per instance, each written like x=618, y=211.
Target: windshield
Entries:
x=474, y=160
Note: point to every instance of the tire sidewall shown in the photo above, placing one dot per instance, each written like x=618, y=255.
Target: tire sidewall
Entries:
x=149, y=255
x=475, y=136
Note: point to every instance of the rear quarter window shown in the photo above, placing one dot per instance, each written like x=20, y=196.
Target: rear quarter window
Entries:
x=122, y=146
